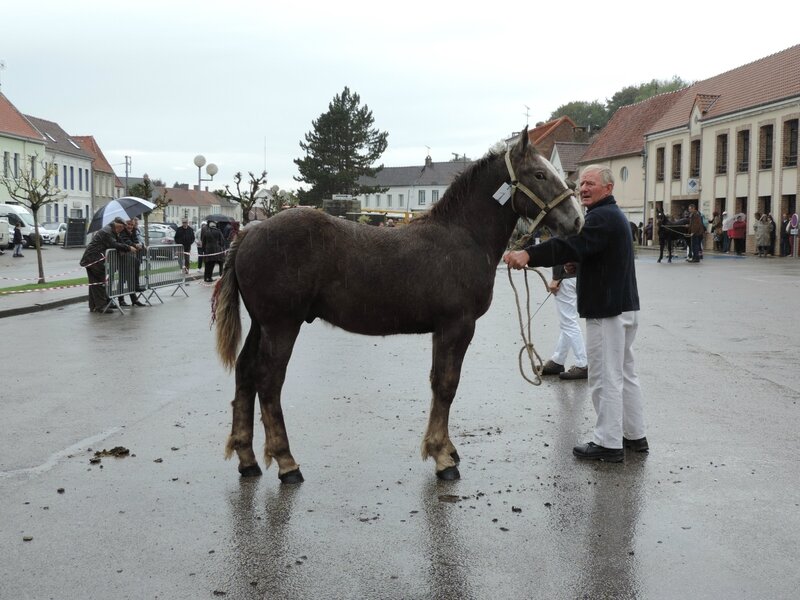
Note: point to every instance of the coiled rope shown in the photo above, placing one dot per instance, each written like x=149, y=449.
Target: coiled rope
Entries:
x=527, y=338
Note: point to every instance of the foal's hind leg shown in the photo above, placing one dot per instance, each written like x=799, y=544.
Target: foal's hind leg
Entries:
x=450, y=344
x=277, y=342
x=241, y=437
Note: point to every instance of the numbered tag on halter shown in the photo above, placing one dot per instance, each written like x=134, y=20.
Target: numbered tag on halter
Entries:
x=503, y=193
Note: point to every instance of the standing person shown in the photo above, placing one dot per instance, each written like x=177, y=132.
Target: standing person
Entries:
x=562, y=286
x=716, y=231
x=184, y=235
x=737, y=233
x=772, y=235
x=786, y=248
x=93, y=260
x=727, y=225
x=648, y=231
x=199, y=242
x=764, y=229
x=608, y=299
x=17, y=241
x=213, y=247
x=130, y=263
x=696, y=231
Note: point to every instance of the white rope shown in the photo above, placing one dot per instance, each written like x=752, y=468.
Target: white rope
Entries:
x=527, y=338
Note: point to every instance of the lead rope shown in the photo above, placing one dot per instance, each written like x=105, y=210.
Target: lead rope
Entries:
x=527, y=339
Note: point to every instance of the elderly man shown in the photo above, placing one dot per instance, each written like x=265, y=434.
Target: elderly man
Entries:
x=608, y=299
x=93, y=260
x=184, y=235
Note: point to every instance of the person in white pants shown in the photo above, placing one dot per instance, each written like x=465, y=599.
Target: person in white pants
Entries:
x=563, y=288
x=608, y=298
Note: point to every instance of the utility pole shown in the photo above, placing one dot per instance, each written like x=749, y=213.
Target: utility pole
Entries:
x=127, y=170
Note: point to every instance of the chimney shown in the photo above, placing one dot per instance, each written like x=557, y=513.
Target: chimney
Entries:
x=428, y=161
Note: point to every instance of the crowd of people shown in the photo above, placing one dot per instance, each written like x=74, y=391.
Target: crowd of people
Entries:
x=126, y=237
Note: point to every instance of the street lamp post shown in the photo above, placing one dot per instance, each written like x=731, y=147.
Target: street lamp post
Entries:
x=211, y=169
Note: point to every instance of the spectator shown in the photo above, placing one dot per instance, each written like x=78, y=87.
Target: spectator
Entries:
x=716, y=231
x=184, y=235
x=737, y=233
x=696, y=231
x=129, y=262
x=772, y=235
x=727, y=224
x=648, y=231
x=763, y=230
x=93, y=260
x=786, y=248
x=199, y=242
x=214, y=247
x=17, y=241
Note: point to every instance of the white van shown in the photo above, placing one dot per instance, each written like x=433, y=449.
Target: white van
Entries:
x=5, y=233
x=18, y=215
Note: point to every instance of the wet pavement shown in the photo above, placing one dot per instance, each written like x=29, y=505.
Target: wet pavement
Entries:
x=712, y=512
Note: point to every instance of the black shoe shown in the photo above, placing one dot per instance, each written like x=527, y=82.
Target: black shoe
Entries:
x=591, y=451
x=639, y=445
x=575, y=373
x=137, y=303
x=123, y=303
x=551, y=368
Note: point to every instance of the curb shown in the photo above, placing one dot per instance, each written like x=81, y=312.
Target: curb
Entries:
x=39, y=307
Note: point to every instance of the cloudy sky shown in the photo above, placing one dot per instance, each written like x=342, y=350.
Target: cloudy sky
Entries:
x=241, y=81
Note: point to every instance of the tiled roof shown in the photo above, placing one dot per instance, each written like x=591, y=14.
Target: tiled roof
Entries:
x=56, y=138
x=441, y=173
x=89, y=144
x=769, y=79
x=624, y=133
x=13, y=122
x=764, y=81
x=537, y=135
x=570, y=153
x=184, y=197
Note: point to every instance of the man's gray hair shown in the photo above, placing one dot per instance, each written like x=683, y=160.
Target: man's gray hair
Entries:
x=605, y=173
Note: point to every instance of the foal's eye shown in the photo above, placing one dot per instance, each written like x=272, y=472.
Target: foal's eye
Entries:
x=539, y=175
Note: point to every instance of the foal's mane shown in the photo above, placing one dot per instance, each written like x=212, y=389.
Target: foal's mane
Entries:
x=457, y=190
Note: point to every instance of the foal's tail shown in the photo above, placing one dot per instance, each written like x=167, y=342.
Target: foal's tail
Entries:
x=225, y=308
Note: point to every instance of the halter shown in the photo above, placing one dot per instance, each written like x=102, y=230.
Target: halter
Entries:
x=544, y=206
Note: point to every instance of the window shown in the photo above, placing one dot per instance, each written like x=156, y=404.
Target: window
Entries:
x=722, y=154
x=80, y=179
x=677, y=157
x=72, y=178
x=659, y=164
x=765, y=147
x=790, y=143
x=64, y=183
x=623, y=174
x=401, y=200
x=421, y=198
x=694, y=159
x=16, y=165
x=743, y=151
x=33, y=167
x=6, y=164
x=389, y=200
x=434, y=196
x=55, y=175
x=366, y=201
x=377, y=199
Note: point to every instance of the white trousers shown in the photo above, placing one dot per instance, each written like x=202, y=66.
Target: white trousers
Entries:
x=571, y=336
x=613, y=383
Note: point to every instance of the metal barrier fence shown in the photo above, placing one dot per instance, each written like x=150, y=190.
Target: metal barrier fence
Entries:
x=141, y=274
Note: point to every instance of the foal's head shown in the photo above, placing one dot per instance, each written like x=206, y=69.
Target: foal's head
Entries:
x=549, y=192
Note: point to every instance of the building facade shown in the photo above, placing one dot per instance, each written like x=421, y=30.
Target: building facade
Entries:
x=104, y=180
x=20, y=144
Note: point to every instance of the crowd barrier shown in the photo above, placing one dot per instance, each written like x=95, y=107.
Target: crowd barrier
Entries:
x=143, y=273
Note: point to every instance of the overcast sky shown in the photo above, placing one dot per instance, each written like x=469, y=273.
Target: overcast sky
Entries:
x=241, y=82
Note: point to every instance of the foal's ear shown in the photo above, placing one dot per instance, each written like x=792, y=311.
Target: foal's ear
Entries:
x=522, y=142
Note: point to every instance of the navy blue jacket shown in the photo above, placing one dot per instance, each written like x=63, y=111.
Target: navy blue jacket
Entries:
x=606, y=283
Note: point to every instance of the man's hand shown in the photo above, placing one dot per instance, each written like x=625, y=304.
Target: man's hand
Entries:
x=517, y=259
x=553, y=286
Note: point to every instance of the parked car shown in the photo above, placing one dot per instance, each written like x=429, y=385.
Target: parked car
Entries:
x=53, y=233
x=158, y=237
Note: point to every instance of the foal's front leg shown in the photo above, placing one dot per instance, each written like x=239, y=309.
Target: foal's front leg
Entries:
x=450, y=344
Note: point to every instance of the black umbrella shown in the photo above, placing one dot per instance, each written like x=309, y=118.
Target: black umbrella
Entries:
x=220, y=218
x=126, y=207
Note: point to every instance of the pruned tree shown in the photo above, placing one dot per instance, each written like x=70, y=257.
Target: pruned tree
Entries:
x=342, y=147
x=246, y=198
x=34, y=191
x=273, y=200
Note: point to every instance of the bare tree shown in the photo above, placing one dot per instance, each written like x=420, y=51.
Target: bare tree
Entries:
x=246, y=198
x=34, y=192
x=274, y=199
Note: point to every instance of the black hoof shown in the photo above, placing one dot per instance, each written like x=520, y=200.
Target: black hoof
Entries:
x=454, y=455
x=449, y=474
x=292, y=477
x=251, y=471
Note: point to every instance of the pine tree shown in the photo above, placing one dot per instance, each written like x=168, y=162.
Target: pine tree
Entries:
x=342, y=147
